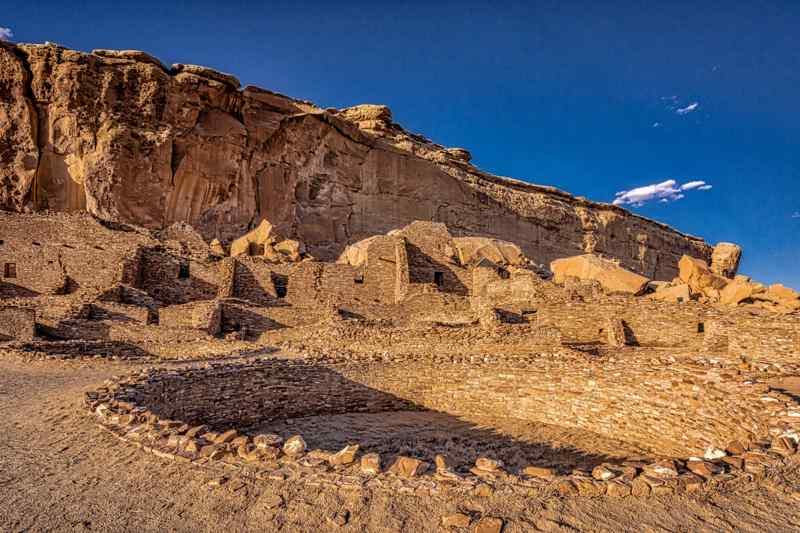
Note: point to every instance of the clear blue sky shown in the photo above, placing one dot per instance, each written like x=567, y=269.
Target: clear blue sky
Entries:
x=592, y=97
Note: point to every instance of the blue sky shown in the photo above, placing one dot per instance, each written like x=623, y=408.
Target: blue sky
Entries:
x=595, y=98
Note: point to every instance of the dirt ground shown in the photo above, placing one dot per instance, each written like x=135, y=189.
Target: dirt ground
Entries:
x=60, y=472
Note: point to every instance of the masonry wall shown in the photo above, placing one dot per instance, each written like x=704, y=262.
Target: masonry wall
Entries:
x=675, y=410
x=380, y=271
x=17, y=323
x=174, y=279
x=749, y=338
x=647, y=323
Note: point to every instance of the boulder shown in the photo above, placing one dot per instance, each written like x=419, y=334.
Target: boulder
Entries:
x=737, y=291
x=610, y=275
x=725, y=259
x=356, y=253
x=779, y=293
x=696, y=273
x=672, y=293
x=217, y=248
x=470, y=250
x=266, y=242
x=263, y=234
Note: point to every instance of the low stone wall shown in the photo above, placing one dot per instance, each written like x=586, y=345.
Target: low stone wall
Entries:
x=755, y=339
x=203, y=415
x=647, y=323
x=203, y=315
x=17, y=323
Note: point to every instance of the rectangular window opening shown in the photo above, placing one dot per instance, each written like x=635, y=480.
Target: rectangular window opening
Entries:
x=438, y=279
x=10, y=270
x=183, y=271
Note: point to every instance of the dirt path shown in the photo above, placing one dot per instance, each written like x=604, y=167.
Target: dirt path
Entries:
x=59, y=472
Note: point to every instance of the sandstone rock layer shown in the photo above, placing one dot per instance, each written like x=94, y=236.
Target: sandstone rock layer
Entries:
x=119, y=135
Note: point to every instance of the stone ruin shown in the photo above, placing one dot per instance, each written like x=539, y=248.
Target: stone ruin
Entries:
x=341, y=266
x=412, y=321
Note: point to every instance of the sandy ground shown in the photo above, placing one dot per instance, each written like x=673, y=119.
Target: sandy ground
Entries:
x=59, y=472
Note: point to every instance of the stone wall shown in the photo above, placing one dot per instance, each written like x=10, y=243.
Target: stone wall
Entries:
x=647, y=323
x=17, y=323
x=755, y=339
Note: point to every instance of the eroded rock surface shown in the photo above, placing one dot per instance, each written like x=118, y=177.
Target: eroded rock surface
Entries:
x=120, y=136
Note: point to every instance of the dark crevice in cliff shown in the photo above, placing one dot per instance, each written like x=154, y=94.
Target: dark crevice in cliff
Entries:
x=22, y=56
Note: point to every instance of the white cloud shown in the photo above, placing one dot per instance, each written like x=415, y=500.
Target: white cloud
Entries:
x=688, y=109
x=5, y=34
x=692, y=185
x=656, y=124
x=796, y=214
x=664, y=192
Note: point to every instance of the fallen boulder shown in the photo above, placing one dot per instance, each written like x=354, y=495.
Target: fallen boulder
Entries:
x=672, y=293
x=725, y=259
x=609, y=274
x=698, y=276
x=471, y=250
x=265, y=241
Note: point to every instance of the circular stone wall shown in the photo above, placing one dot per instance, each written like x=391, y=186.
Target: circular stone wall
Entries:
x=668, y=408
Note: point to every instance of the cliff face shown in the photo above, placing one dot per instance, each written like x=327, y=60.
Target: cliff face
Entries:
x=125, y=138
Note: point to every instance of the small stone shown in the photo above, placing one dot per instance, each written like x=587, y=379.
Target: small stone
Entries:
x=345, y=456
x=456, y=520
x=618, y=489
x=371, y=464
x=736, y=463
x=191, y=446
x=661, y=469
x=714, y=453
x=218, y=481
x=242, y=440
x=783, y=446
x=408, y=467
x=294, y=446
x=704, y=469
x=488, y=524
x=269, y=440
x=484, y=491
x=228, y=436
x=339, y=518
x=195, y=431
x=566, y=487
x=603, y=473
x=539, y=471
x=736, y=448
x=208, y=450
x=441, y=464
x=271, y=501
x=590, y=487
x=690, y=482
x=488, y=465
x=640, y=487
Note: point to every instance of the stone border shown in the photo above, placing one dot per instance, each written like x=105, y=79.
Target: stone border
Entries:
x=268, y=457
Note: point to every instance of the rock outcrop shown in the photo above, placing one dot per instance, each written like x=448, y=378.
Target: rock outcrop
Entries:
x=725, y=259
x=610, y=275
x=119, y=135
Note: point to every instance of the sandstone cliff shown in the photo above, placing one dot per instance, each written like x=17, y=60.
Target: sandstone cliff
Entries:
x=127, y=139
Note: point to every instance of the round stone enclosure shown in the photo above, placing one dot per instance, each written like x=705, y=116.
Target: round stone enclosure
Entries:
x=672, y=410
